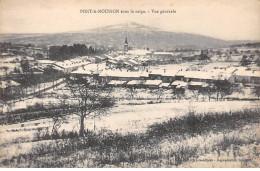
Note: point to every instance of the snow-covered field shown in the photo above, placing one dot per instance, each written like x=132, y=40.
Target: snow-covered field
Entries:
x=122, y=119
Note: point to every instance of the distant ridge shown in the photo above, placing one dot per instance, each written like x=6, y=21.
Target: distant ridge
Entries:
x=139, y=36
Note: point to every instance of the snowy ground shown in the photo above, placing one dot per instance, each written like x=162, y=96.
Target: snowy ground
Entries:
x=122, y=119
x=120, y=94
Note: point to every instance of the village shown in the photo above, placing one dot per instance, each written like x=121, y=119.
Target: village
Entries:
x=37, y=97
x=141, y=68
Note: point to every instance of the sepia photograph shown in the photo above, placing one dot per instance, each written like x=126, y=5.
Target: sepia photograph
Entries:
x=130, y=84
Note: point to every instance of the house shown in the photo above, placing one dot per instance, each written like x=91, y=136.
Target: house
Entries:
x=153, y=83
x=163, y=56
x=144, y=76
x=165, y=85
x=37, y=70
x=99, y=59
x=6, y=55
x=190, y=58
x=168, y=76
x=247, y=77
x=193, y=85
x=45, y=63
x=116, y=83
x=180, y=75
x=133, y=62
x=108, y=75
x=199, y=76
x=82, y=72
x=179, y=84
x=9, y=83
x=111, y=62
x=138, y=52
x=135, y=83
x=155, y=75
x=68, y=66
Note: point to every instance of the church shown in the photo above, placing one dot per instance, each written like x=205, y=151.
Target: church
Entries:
x=131, y=51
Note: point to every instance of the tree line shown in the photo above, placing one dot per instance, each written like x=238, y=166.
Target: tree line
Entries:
x=66, y=52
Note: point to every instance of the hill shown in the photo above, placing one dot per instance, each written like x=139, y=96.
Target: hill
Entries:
x=138, y=35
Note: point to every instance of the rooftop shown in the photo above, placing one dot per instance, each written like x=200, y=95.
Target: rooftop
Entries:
x=153, y=82
x=119, y=73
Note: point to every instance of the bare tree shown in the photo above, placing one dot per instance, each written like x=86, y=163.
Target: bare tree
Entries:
x=256, y=91
x=90, y=98
x=223, y=87
x=131, y=91
x=208, y=91
x=238, y=89
x=196, y=94
x=179, y=93
x=160, y=93
x=59, y=116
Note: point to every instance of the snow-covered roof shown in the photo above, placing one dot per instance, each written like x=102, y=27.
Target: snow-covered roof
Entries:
x=133, y=62
x=170, y=73
x=128, y=63
x=29, y=58
x=144, y=74
x=230, y=70
x=143, y=58
x=138, y=52
x=194, y=83
x=116, y=82
x=248, y=73
x=178, y=82
x=153, y=82
x=90, y=69
x=181, y=73
x=165, y=85
x=120, y=57
x=223, y=76
x=135, y=82
x=109, y=57
x=10, y=59
x=112, y=61
x=118, y=73
x=162, y=53
x=7, y=54
x=73, y=63
x=236, y=57
x=157, y=72
x=199, y=74
x=45, y=61
x=82, y=72
x=11, y=83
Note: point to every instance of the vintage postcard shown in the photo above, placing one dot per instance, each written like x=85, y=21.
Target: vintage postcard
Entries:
x=129, y=84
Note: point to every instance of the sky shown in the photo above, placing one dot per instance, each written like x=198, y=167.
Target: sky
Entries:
x=223, y=19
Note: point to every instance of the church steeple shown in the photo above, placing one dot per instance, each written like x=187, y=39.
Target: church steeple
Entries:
x=126, y=45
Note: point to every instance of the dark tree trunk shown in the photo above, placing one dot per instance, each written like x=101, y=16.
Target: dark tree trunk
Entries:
x=82, y=128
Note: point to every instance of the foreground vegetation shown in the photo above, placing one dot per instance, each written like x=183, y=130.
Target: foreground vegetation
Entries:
x=168, y=144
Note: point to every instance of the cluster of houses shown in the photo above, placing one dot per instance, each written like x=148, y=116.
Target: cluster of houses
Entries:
x=129, y=67
x=180, y=79
x=71, y=65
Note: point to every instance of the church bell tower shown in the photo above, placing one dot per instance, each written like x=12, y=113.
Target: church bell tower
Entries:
x=126, y=45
